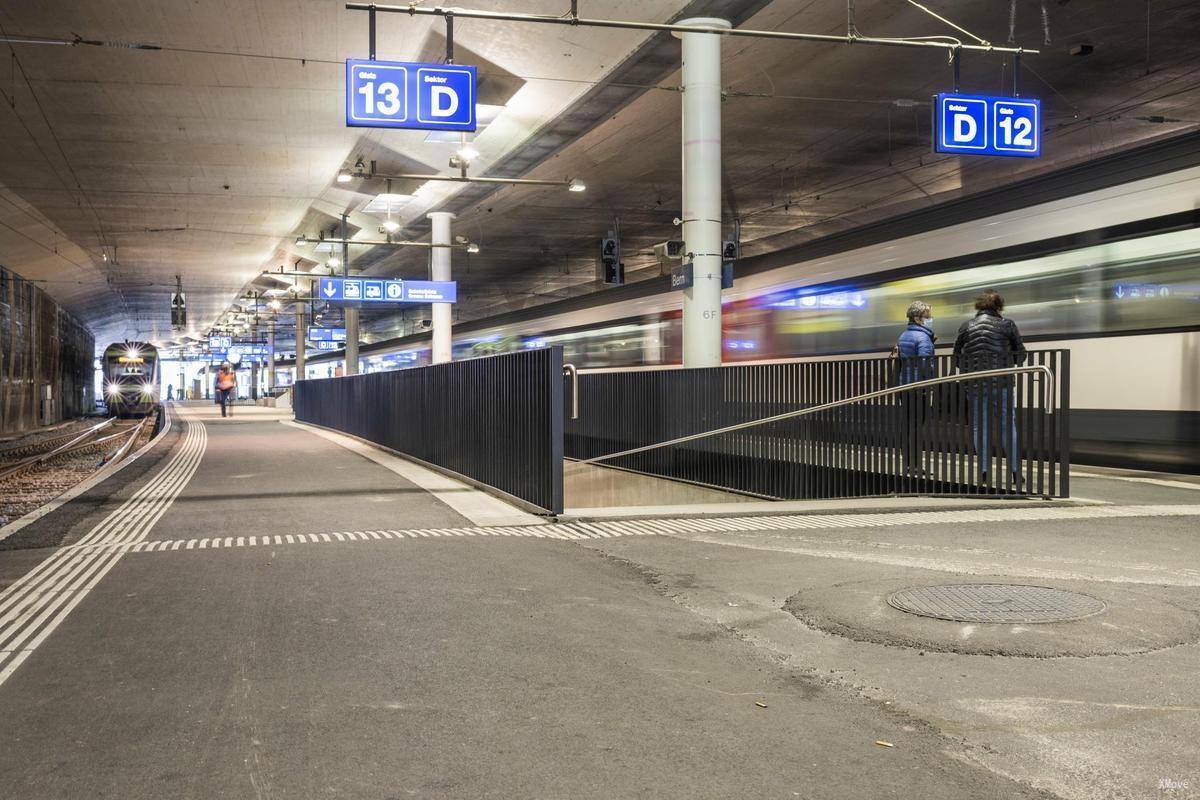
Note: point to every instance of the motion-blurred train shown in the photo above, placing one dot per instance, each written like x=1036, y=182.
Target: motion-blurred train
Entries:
x=1102, y=260
x=131, y=378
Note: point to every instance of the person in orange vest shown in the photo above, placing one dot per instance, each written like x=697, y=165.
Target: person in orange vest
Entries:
x=226, y=388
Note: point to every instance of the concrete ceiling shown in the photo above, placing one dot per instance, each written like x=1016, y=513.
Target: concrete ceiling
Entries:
x=122, y=168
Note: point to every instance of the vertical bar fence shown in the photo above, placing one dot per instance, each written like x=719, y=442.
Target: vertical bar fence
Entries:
x=496, y=420
x=975, y=436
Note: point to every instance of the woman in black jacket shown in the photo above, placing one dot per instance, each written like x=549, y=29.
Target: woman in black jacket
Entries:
x=991, y=341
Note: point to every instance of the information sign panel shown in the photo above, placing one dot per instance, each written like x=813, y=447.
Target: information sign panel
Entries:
x=369, y=291
x=981, y=125
x=327, y=334
x=398, y=94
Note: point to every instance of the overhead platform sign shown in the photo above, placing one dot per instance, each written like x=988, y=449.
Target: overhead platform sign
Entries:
x=353, y=291
x=399, y=94
x=978, y=125
x=327, y=334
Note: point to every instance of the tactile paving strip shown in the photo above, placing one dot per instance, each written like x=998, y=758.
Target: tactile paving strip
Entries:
x=996, y=602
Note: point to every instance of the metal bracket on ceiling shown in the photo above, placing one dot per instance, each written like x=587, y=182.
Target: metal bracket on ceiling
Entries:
x=449, y=36
x=955, y=60
x=371, y=32
x=1017, y=73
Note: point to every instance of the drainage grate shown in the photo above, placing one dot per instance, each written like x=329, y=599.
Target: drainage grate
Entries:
x=995, y=602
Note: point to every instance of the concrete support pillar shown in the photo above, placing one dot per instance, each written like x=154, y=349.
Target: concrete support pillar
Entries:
x=351, y=341
x=439, y=268
x=301, y=335
x=271, y=359
x=702, y=192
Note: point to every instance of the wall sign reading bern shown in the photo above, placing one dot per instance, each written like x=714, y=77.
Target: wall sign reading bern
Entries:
x=397, y=94
x=976, y=125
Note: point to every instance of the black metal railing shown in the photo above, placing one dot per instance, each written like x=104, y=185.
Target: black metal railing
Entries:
x=495, y=420
x=921, y=426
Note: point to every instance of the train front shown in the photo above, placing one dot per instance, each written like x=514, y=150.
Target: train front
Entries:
x=131, y=378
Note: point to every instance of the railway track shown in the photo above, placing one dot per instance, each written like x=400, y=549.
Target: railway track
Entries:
x=48, y=467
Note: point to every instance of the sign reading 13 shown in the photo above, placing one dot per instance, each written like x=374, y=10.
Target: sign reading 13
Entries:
x=401, y=94
x=382, y=98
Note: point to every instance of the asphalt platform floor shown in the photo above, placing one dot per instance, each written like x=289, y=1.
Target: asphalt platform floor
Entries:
x=255, y=610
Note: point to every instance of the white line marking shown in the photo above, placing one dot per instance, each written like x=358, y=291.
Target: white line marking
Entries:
x=1131, y=479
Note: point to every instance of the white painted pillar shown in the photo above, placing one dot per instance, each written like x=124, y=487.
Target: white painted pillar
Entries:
x=702, y=191
x=439, y=263
x=271, y=358
x=351, y=341
x=301, y=335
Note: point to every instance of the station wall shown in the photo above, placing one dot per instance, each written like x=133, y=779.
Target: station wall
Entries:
x=41, y=344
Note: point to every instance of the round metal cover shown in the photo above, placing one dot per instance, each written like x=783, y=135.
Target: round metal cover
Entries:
x=995, y=602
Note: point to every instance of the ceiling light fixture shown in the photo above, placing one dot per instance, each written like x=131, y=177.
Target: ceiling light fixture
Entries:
x=468, y=153
x=344, y=176
x=576, y=185
x=390, y=225
x=301, y=241
x=472, y=248
x=333, y=262
x=275, y=305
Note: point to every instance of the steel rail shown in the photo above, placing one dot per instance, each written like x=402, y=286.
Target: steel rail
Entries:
x=368, y=242
x=412, y=176
x=133, y=437
x=32, y=461
x=587, y=22
x=1044, y=371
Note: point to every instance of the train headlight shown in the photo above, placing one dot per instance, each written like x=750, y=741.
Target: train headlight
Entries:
x=132, y=353
x=148, y=389
x=112, y=389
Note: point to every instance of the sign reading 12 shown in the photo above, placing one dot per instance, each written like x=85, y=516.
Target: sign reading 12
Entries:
x=978, y=125
x=398, y=94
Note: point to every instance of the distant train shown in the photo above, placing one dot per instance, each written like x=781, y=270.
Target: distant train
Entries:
x=131, y=378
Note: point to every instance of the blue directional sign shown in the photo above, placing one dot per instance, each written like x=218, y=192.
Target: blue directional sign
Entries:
x=979, y=125
x=353, y=291
x=397, y=94
x=220, y=342
x=327, y=334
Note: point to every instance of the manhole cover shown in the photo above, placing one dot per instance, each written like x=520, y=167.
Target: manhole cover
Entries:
x=995, y=602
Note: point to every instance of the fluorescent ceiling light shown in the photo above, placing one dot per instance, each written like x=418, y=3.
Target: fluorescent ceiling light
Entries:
x=468, y=153
x=447, y=137
x=576, y=185
x=486, y=114
x=391, y=226
x=382, y=203
x=344, y=176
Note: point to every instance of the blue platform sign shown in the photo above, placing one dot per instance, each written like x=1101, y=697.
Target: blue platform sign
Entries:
x=979, y=125
x=326, y=344
x=220, y=342
x=368, y=291
x=397, y=94
x=327, y=334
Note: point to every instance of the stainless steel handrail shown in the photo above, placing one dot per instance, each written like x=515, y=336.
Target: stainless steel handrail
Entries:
x=1044, y=371
x=570, y=371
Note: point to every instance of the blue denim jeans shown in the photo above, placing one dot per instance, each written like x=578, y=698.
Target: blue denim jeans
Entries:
x=987, y=401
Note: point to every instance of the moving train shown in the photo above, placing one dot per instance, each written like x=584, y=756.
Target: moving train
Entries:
x=1102, y=260
x=131, y=378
